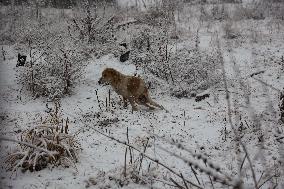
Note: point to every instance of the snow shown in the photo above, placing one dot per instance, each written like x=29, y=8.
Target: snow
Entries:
x=196, y=125
x=191, y=128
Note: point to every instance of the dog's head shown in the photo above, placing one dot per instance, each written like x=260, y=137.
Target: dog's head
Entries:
x=108, y=76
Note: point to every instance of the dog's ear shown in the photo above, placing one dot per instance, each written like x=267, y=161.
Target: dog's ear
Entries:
x=114, y=73
x=19, y=55
x=110, y=73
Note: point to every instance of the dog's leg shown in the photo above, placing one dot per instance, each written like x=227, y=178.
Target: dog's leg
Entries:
x=132, y=102
x=124, y=102
x=142, y=100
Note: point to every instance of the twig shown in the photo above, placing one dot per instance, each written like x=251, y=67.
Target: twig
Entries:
x=145, y=147
x=185, y=184
x=200, y=167
x=3, y=53
x=251, y=166
x=21, y=161
x=130, y=151
x=109, y=103
x=145, y=155
x=268, y=85
x=269, y=178
x=98, y=100
x=243, y=162
x=260, y=177
x=201, y=156
x=177, y=185
x=195, y=174
x=125, y=162
x=211, y=182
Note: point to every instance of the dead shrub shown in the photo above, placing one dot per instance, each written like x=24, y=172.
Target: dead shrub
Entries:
x=59, y=147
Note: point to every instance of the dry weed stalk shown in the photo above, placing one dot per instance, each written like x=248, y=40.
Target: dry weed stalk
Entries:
x=147, y=156
x=213, y=170
x=46, y=143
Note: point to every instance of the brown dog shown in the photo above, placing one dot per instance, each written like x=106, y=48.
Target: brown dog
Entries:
x=129, y=87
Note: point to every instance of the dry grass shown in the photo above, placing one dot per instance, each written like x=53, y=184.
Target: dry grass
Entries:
x=47, y=143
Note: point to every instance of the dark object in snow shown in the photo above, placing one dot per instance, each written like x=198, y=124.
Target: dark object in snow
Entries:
x=180, y=94
x=124, y=57
x=3, y=54
x=21, y=60
x=107, y=122
x=183, y=94
x=260, y=72
x=281, y=106
x=201, y=97
x=123, y=44
x=193, y=94
x=48, y=109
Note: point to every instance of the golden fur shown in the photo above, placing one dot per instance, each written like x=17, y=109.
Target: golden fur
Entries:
x=129, y=87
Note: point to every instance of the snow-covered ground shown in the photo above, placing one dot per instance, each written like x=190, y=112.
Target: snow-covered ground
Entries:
x=187, y=122
x=197, y=125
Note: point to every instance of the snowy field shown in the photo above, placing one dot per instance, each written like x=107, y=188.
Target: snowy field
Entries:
x=243, y=94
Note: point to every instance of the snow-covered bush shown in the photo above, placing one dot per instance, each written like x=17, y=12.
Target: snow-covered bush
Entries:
x=187, y=70
x=149, y=45
x=96, y=30
x=49, y=142
x=58, y=50
x=193, y=71
x=55, y=65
